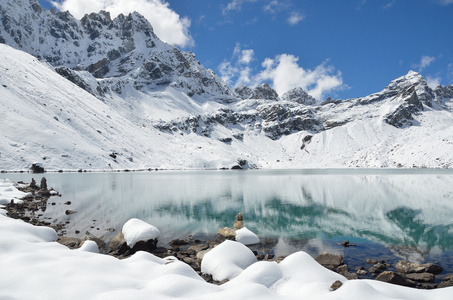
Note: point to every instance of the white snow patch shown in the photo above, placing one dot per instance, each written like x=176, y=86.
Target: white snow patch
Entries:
x=136, y=230
x=227, y=260
x=89, y=246
x=9, y=192
x=246, y=237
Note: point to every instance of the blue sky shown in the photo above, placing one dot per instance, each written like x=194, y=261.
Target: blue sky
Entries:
x=341, y=49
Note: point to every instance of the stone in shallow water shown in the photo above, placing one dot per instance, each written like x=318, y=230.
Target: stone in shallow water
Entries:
x=421, y=277
x=330, y=261
x=392, y=277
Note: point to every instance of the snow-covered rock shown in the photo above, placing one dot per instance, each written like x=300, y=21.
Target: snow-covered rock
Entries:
x=227, y=260
x=89, y=246
x=246, y=237
x=299, y=95
x=136, y=230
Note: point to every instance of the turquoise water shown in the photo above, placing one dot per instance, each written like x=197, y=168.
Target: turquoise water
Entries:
x=403, y=213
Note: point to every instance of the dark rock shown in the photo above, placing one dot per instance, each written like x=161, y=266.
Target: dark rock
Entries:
x=70, y=242
x=178, y=242
x=330, y=261
x=406, y=267
x=70, y=212
x=394, y=278
x=336, y=285
x=446, y=283
x=427, y=286
x=199, y=247
x=265, y=92
x=377, y=268
x=299, y=95
x=372, y=261
x=239, y=223
x=344, y=270
x=37, y=168
x=421, y=277
x=361, y=271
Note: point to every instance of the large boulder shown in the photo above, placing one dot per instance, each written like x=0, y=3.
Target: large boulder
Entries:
x=330, y=261
x=394, y=278
x=407, y=267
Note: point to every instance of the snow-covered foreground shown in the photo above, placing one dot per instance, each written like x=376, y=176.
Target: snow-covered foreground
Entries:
x=34, y=266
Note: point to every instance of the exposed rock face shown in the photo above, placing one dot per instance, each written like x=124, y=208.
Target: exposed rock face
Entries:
x=244, y=92
x=444, y=92
x=330, y=261
x=264, y=92
x=299, y=95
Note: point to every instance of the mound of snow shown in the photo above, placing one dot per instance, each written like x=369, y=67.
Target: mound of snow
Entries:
x=8, y=192
x=227, y=260
x=136, y=230
x=89, y=246
x=246, y=237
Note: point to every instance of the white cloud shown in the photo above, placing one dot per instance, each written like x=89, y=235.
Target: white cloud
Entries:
x=235, y=5
x=295, y=17
x=425, y=61
x=433, y=82
x=237, y=68
x=275, y=6
x=446, y=2
x=286, y=74
x=450, y=73
x=388, y=5
x=246, y=56
x=167, y=24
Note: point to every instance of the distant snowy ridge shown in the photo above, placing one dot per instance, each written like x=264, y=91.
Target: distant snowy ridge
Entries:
x=108, y=94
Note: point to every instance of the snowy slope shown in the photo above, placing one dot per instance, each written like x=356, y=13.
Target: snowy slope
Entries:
x=46, y=118
x=108, y=94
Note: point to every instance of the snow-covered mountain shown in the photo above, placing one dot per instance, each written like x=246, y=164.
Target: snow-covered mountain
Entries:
x=98, y=93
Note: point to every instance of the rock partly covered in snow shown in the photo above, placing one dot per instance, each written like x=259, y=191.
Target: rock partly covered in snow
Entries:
x=9, y=193
x=136, y=230
x=246, y=237
x=299, y=95
x=227, y=260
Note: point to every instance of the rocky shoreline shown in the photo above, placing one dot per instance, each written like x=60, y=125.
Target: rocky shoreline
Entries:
x=191, y=250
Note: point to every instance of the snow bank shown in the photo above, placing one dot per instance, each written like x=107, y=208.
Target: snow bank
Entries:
x=8, y=192
x=136, y=230
x=39, y=268
x=227, y=260
x=246, y=237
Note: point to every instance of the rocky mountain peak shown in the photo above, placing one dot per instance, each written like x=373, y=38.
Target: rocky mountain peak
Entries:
x=123, y=51
x=299, y=95
x=264, y=92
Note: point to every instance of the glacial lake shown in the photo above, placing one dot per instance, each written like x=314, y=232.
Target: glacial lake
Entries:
x=389, y=214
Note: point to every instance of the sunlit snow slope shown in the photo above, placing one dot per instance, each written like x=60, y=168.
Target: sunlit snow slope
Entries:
x=46, y=118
